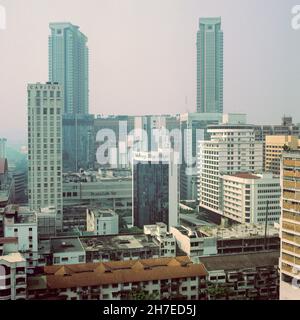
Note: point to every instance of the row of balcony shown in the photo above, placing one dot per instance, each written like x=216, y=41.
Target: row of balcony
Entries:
x=291, y=195
x=291, y=163
x=291, y=216
x=291, y=184
x=291, y=248
x=290, y=237
x=291, y=226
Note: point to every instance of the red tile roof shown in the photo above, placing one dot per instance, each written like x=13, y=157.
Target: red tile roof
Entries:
x=95, y=274
x=245, y=175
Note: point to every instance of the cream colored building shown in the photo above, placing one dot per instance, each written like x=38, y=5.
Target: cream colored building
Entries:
x=274, y=146
x=13, y=279
x=45, y=103
x=246, y=197
x=290, y=227
x=231, y=149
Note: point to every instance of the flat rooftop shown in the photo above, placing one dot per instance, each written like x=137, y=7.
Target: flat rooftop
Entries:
x=105, y=213
x=97, y=176
x=246, y=230
x=66, y=245
x=240, y=261
x=117, y=242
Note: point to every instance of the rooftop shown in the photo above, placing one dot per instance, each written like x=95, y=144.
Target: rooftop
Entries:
x=246, y=230
x=13, y=258
x=245, y=175
x=93, y=274
x=240, y=261
x=97, y=176
x=104, y=213
x=22, y=214
x=59, y=245
x=111, y=243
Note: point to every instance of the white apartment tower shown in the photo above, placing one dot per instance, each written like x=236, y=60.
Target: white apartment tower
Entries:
x=45, y=103
x=231, y=149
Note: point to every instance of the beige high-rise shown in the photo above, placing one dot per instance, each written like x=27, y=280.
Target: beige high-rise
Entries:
x=274, y=146
x=45, y=103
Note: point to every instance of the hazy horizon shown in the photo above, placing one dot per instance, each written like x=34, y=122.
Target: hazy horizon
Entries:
x=143, y=56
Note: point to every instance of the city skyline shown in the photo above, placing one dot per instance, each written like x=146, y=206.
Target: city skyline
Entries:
x=120, y=80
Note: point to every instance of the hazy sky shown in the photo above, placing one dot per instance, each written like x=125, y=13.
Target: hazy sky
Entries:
x=143, y=56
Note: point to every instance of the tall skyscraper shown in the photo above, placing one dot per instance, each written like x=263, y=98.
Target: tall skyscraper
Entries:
x=78, y=142
x=210, y=66
x=45, y=102
x=290, y=226
x=68, y=65
x=155, y=189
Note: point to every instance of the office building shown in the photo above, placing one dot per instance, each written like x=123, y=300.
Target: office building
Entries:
x=231, y=149
x=251, y=198
x=108, y=189
x=78, y=142
x=290, y=226
x=45, y=103
x=274, y=146
x=286, y=128
x=210, y=66
x=193, y=128
x=69, y=66
x=155, y=188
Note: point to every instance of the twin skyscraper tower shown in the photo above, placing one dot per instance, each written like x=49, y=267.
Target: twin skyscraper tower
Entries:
x=69, y=66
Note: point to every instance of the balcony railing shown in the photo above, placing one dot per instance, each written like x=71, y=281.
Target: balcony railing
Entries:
x=291, y=163
x=291, y=226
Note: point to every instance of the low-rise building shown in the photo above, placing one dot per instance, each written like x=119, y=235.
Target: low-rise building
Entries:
x=161, y=236
x=210, y=240
x=110, y=189
x=164, y=278
x=20, y=223
x=102, y=221
x=122, y=247
x=13, y=279
x=193, y=243
x=247, y=276
x=250, y=198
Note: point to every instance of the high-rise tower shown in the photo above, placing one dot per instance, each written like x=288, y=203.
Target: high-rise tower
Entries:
x=68, y=65
x=210, y=66
x=45, y=103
